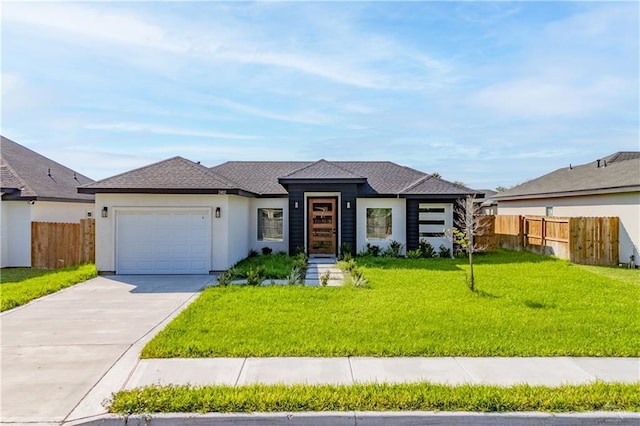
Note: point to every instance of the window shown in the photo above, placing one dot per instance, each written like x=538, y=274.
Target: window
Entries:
x=549, y=211
x=270, y=225
x=378, y=224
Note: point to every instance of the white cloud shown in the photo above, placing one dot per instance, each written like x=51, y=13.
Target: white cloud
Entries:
x=305, y=117
x=94, y=22
x=166, y=130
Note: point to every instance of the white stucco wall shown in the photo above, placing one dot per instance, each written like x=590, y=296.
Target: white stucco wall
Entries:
x=625, y=206
x=16, y=221
x=15, y=233
x=228, y=233
x=398, y=221
x=238, y=222
x=258, y=203
x=49, y=211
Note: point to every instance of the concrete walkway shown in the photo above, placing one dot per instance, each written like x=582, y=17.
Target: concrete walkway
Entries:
x=66, y=352
x=553, y=371
x=319, y=266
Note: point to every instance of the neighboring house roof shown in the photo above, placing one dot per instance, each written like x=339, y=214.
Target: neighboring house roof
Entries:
x=487, y=199
x=619, y=172
x=269, y=178
x=175, y=175
x=27, y=175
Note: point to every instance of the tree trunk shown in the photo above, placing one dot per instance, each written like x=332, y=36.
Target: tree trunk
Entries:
x=472, y=284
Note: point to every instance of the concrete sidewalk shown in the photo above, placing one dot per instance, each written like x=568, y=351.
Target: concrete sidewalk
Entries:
x=553, y=371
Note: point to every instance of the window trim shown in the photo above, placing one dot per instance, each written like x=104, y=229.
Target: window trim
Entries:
x=389, y=225
x=261, y=238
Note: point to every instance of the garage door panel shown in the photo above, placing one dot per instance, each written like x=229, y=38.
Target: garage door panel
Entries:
x=163, y=242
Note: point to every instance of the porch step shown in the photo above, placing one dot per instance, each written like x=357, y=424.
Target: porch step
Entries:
x=319, y=266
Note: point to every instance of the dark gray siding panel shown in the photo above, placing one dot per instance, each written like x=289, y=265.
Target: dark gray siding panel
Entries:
x=297, y=229
x=413, y=217
x=412, y=224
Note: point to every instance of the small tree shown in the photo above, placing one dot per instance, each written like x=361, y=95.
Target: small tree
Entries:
x=469, y=223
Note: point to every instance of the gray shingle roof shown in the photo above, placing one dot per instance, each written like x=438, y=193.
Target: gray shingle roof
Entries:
x=174, y=174
x=383, y=177
x=621, y=173
x=433, y=185
x=27, y=175
x=260, y=177
x=322, y=169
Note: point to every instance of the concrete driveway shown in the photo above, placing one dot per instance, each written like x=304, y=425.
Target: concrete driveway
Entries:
x=55, y=350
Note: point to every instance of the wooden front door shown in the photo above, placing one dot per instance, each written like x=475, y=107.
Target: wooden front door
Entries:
x=322, y=226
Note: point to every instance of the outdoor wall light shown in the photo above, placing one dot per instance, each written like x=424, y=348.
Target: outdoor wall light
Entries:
x=295, y=204
x=218, y=212
x=105, y=211
x=348, y=204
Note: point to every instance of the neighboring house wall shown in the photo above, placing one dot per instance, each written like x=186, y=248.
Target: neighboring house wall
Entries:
x=50, y=211
x=222, y=228
x=16, y=225
x=261, y=203
x=398, y=221
x=626, y=206
x=16, y=233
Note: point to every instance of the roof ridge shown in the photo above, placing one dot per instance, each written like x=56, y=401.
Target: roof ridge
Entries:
x=135, y=170
x=416, y=183
x=323, y=161
x=303, y=168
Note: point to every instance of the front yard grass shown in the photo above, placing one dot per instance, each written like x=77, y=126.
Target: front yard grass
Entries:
x=526, y=305
x=275, y=266
x=377, y=397
x=21, y=285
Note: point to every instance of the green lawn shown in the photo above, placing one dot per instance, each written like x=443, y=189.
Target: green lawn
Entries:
x=377, y=397
x=275, y=266
x=527, y=305
x=21, y=285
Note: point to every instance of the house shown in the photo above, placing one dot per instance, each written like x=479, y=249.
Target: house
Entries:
x=606, y=187
x=177, y=216
x=486, y=204
x=35, y=189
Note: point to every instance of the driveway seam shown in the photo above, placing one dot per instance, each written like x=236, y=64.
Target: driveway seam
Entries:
x=591, y=375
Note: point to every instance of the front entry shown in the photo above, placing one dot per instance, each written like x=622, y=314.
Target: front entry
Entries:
x=322, y=222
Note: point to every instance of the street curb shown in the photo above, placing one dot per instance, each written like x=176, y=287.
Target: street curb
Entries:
x=357, y=418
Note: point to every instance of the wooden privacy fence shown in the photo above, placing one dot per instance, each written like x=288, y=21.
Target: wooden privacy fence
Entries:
x=585, y=240
x=56, y=245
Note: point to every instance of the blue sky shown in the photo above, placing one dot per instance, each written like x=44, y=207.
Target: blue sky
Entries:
x=487, y=93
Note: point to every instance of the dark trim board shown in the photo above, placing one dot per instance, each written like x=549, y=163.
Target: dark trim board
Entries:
x=297, y=229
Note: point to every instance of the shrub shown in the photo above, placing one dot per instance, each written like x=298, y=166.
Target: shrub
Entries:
x=373, y=250
x=252, y=253
x=227, y=277
x=394, y=249
x=350, y=265
x=426, y=249
x=299, y=250
x=444, y=252
x=345, y=251
x=324, y=279
x=296, y=276
x=414, y=254
x=360, y=282
x=267, y=251
x=255, y=276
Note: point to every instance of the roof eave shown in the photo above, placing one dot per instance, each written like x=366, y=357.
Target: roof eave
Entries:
x=560, y=194
x=286, y=181
x=205, y=191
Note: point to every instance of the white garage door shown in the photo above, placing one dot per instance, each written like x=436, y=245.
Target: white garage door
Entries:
x=163, y=242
